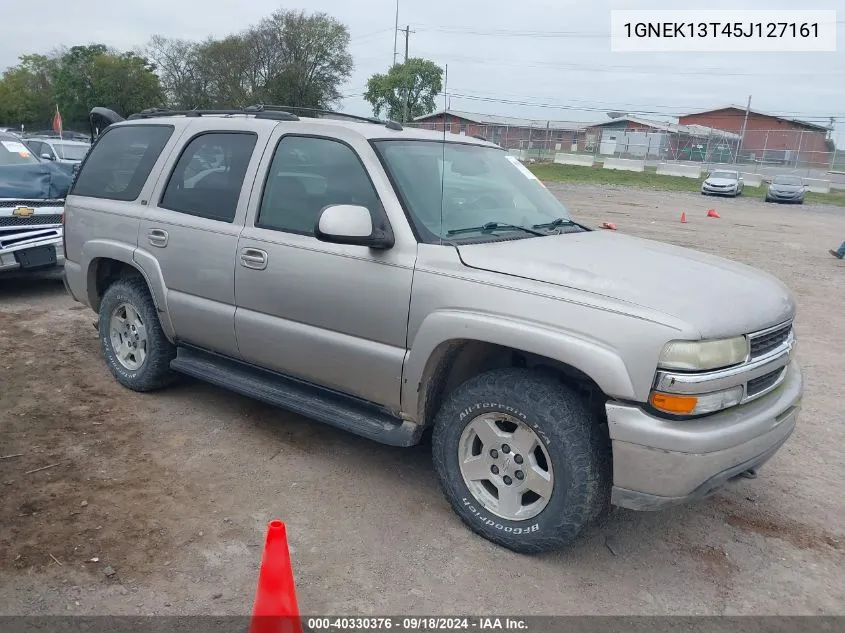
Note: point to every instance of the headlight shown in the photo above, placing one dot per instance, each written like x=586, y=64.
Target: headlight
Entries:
x=695, y=405
x=703, y=355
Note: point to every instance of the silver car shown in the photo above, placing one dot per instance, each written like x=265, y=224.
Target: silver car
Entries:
x=786, y=188
x=387, y=281
x=60, y=150
x=723, y=182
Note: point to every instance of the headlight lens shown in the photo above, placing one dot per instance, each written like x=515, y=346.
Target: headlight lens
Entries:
x=703, y=355
x=695, y=405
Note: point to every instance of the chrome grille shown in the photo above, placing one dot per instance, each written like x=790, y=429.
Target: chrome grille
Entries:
x=763, y=343
x=33, y=220
x=35, y=204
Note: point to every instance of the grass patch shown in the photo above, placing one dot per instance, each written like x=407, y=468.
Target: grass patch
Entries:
x=650, y=179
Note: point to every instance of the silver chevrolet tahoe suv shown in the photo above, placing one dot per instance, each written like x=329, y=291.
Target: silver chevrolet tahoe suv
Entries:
x=388, y=281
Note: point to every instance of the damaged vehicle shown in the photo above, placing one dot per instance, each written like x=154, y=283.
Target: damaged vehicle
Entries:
x=32, y=197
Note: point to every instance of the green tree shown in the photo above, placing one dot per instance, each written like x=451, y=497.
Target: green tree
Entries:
x=26, y=92
x=93, y=75
x=407, y=90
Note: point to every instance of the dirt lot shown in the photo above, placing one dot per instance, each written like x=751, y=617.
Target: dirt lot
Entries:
x=173, y=490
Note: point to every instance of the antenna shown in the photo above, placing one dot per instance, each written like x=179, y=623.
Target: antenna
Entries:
x=443, y=161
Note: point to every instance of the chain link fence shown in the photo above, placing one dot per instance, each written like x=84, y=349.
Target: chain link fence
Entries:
x=761, y=151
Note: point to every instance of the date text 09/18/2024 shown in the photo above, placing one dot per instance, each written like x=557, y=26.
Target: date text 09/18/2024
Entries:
x=416, y=623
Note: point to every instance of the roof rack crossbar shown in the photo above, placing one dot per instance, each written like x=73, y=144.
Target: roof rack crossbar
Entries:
x=393, y=125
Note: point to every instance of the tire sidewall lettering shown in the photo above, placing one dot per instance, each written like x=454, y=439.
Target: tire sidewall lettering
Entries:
x=487, y=521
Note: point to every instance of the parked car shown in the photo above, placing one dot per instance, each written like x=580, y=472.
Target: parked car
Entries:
x=723, y=182
x=60, y=150
x=786, y=188
x=32, y=196
x=322, y=270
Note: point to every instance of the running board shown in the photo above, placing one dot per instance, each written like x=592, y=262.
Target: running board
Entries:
x=330, y=407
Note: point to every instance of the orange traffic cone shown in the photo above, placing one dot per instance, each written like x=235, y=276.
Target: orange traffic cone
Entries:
x=711, y=213
x=275, y=609
x=683, y=217
x=608, y=225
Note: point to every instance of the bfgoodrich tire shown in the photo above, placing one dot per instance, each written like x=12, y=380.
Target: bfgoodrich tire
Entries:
x=521, y=460
x=134, y=346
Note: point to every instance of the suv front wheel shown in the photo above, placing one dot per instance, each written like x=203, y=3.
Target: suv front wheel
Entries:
x=521, y=459
x=133, y=343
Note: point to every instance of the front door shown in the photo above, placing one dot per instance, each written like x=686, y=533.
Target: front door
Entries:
x=332, y=314
x=191, y=230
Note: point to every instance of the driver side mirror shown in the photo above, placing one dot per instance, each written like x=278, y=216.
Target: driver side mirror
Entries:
x=351, y=224
x=47, y=156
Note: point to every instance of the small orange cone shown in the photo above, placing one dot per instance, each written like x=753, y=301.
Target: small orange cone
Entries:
x=608, y=225
x=275, y=609
x=683, y=217
x=711, y=213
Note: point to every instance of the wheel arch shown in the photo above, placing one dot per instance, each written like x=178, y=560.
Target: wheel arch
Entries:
x=437, y=363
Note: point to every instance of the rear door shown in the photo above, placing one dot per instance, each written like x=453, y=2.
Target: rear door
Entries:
x=192, y=224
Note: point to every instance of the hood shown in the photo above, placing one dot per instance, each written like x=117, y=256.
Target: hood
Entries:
x=721, y=181
x=778, y=187
x=717, y=296
x=34, y=181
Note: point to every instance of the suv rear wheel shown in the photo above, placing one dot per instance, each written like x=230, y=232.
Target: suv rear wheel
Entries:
x=133, y=343
x=521, y=460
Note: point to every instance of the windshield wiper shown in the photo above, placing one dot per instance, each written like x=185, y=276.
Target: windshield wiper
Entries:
x=557, y=222
x=489, y=227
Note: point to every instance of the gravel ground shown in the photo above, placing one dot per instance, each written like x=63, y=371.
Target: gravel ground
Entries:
x=157, y=503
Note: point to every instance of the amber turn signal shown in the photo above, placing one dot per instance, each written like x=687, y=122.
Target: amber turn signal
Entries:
x=671, y=403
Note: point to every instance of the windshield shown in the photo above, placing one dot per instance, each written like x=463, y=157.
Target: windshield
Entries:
x=67, y=151
x=13, y=152
x=787, y=180
x=481, y=185
x=729, y=175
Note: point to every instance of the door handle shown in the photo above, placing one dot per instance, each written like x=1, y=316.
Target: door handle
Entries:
x=254, y=258
x=157, y=237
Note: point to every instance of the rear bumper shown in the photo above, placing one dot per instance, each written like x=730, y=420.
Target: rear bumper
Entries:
x=659, y=463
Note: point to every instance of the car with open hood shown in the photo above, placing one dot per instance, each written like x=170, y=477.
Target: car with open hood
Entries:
x=32, y=195
x=786, y=188
x=389, y=281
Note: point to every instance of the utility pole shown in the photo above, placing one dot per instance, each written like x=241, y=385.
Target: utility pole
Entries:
x=407, y=31
x=744, y=124
x=395, y=32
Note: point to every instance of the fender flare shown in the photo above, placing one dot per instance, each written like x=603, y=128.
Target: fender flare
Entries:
x=145, y=264
x=595, y=359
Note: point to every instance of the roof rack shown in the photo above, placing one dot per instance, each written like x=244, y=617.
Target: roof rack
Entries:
x=258, y=111
x=262, y=111
x=316, y=112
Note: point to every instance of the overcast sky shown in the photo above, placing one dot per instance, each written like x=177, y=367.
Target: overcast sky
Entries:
x=504, y=56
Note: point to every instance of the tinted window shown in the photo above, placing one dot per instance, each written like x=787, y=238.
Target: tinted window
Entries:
x=307, y=175
x=209, y=175
x=121, y=161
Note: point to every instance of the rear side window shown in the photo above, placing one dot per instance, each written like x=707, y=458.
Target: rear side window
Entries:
x=209, y=175
x=120, y=162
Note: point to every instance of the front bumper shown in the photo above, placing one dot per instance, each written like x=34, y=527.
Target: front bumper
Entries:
x=659, y=463
x=9, y=265
x=785, y=197
x=719, y=191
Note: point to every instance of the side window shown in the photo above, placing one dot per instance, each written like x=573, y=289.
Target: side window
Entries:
x=120, y=161
x=307, y=175
x=35, y=148
x=209, y=175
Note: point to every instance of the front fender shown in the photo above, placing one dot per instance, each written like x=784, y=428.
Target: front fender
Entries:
x=595, y=359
